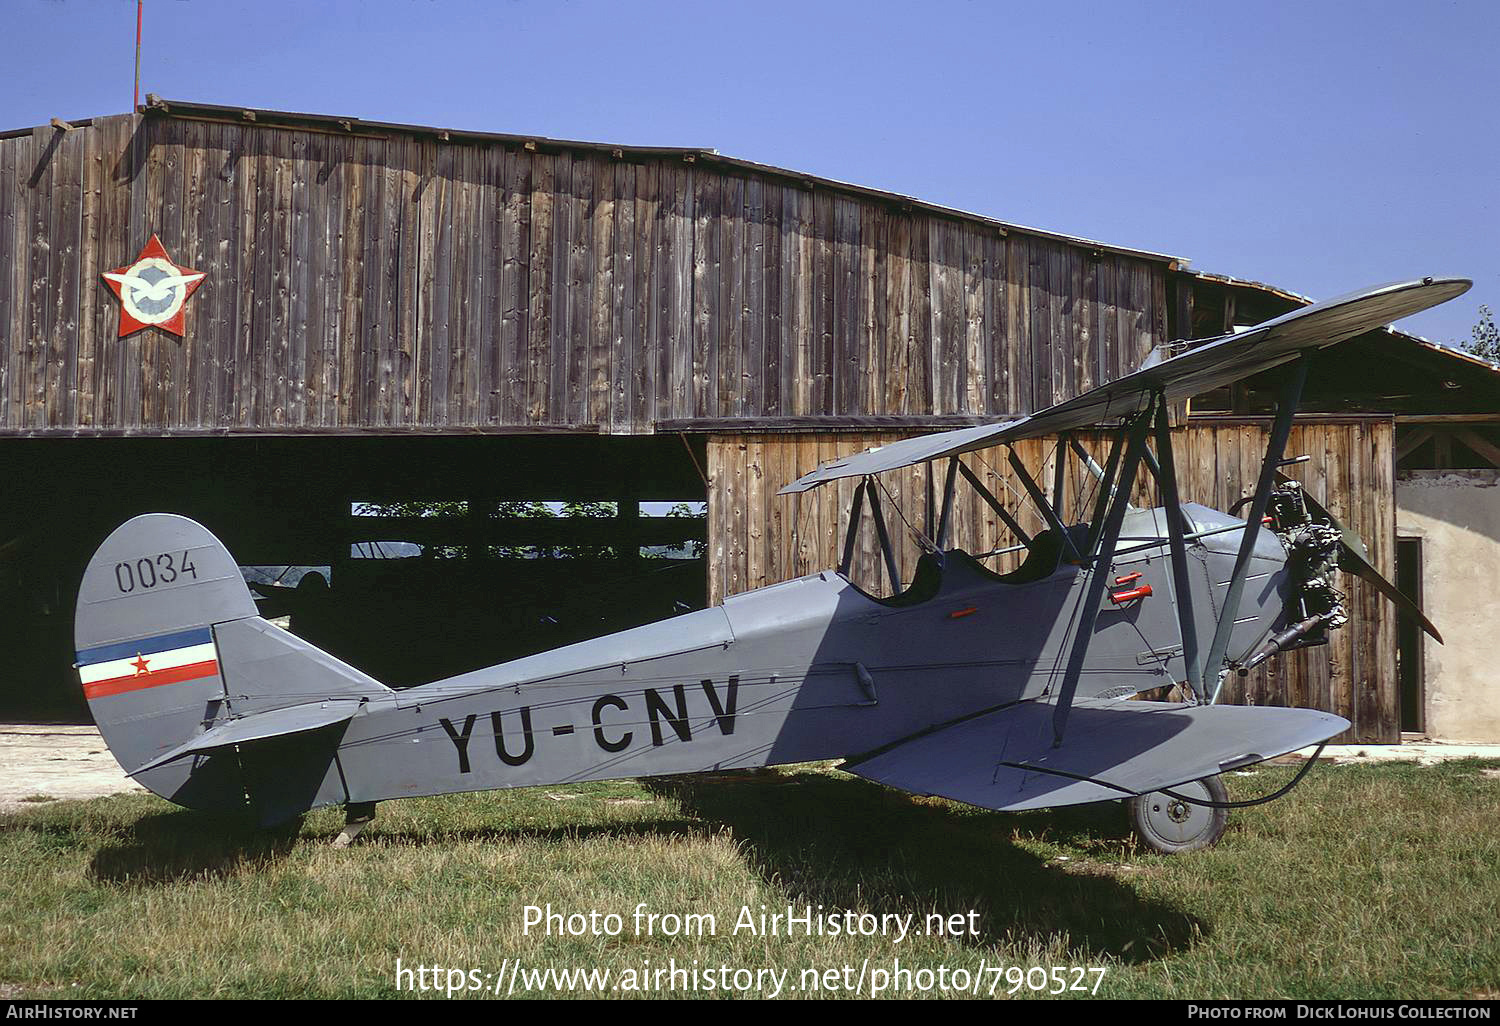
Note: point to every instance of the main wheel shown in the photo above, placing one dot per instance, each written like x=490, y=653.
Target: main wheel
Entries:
x=1170, y=825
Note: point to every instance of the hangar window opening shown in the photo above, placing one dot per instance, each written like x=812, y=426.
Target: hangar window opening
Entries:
x=528, y=529
x=450, y=554
x=285, y=576
x=497, y=578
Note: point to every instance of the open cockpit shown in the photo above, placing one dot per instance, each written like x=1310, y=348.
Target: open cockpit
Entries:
x=955, y=569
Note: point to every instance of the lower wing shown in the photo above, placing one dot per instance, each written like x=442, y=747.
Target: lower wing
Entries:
x=1005, y=760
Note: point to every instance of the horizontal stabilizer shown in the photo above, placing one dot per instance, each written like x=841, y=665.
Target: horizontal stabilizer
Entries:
x=293, y=719
x=1005, y=760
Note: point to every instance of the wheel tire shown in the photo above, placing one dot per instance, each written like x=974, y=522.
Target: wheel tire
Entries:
x=1172, y=826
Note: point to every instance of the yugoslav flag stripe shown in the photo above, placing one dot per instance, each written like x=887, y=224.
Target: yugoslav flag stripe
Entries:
x=145, y=646
x=148, y=670
x=153, y=662
x=175, y=675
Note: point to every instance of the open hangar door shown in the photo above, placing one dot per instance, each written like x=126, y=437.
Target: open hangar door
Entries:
x=413, y=557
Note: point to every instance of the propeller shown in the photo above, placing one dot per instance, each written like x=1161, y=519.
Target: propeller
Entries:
x=1354, y=559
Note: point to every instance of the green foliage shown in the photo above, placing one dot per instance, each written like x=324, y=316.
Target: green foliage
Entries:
x=411, y=509
x=683, y=509
x=1484, y=342
x=523, y=508
x=590, y=509
x=508, y=509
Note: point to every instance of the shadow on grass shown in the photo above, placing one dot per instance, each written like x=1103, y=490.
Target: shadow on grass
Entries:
x=834, y=841
x=654, y=827
x=166, y=847
x=845, y=843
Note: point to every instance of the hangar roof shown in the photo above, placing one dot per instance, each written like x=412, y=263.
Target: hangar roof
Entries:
x=1386, y=370
x=350, y=126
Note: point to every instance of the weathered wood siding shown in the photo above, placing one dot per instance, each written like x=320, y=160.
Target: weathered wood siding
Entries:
x=757, y=537
x=399, y=281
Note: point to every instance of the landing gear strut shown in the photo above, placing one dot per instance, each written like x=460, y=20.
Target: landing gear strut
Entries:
x=357, y=816
x=1171, y=826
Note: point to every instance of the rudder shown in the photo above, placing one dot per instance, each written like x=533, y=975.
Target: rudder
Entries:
x=169, y=645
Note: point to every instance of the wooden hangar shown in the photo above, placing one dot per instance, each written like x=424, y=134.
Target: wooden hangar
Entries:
x=454, y=329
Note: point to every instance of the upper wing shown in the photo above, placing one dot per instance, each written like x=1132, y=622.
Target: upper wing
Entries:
x=1005, y=760
x=1207, y=366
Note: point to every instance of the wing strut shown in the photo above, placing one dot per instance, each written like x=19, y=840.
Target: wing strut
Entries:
x=994, y=503
x=949, y=487
x=1043, y=506
x=885, y=539
x=1086, y=459
x=1102, y=560
x=1281, y=429
x=1106, y=489
x=856, y=514
x=1060, y=471
x=1166, y=478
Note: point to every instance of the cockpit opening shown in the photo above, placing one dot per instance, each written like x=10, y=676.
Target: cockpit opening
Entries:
x=1042, y=557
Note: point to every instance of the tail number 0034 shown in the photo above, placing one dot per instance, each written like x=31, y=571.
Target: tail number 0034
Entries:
x=150, y=571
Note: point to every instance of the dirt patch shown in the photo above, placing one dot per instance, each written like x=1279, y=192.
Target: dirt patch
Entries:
x=40, y=762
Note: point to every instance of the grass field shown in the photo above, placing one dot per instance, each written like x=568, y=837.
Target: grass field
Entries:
x=1368, y=881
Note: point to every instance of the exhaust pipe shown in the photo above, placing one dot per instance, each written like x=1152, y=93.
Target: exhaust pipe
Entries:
x=1286, y=639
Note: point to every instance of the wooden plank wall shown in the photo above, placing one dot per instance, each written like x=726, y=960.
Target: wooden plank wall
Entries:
x=757, y=537
x=403, y=282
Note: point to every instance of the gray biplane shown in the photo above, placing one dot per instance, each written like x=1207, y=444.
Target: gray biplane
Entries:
x=1006, y=691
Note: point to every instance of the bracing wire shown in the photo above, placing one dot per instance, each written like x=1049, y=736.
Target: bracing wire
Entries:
x=921, y=539
x=1127, y=792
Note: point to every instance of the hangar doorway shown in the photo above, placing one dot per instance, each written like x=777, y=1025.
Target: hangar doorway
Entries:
x=1410, y=656
x=413, y=557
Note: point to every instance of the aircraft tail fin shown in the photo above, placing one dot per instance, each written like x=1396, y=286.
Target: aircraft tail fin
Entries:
x=175, y=662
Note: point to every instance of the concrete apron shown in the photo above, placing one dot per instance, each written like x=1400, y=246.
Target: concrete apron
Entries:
x=42, y=763
x=1423, y=753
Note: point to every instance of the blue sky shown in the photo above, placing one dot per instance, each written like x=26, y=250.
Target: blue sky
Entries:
x=1316, y=146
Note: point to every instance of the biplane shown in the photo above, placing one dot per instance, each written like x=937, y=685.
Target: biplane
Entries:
x=1008, y=691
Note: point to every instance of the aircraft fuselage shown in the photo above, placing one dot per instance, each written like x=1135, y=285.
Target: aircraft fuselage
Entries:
x=809, y=669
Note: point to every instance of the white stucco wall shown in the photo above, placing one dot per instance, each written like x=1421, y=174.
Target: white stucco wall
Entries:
x=1457, y=516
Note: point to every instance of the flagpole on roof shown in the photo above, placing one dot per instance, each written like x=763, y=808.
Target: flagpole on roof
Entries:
x=136, y=97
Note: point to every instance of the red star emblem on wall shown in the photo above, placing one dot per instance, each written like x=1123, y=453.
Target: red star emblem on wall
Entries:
x=152, y=290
